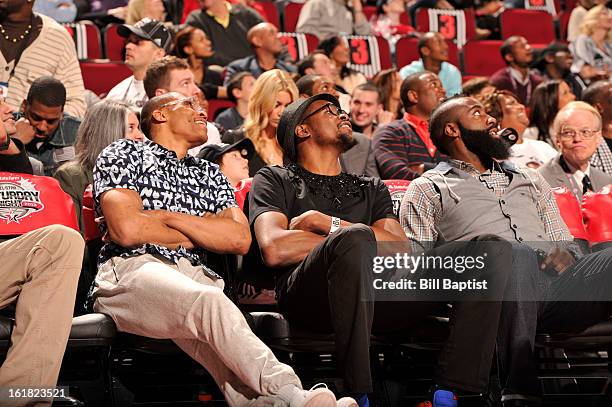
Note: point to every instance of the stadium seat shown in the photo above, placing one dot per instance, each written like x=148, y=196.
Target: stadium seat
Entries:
x=482, y=58
x=113, y=43
x=536, y=26
x=406, y=51
x=86, y=37
x=299, y=44
x=41, y=202
x=291, y=16
x=552, y=7
x=456, y=25
x=271, y=12
x=571, y=214
x=242, y=189
x=100, y=77
x=89, y=217
x=216, y=106
x=563, y=22
x=369, y=54
x=596, y=208
x=397, y=188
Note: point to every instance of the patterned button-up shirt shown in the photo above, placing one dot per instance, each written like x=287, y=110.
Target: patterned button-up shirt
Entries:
x=190, y=185
x=421, y=208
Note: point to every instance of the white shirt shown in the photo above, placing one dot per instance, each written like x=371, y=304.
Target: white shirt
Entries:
x=129, y=91
x=532, y=152
x=214, y=137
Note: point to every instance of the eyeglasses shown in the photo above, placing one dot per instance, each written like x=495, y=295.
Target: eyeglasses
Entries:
x=569, y=134
x=331, y=109
x=190, y=102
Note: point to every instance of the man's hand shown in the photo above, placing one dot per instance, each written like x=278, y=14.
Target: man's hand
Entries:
x=311, y=221
x=559, y=258
x=25, y=131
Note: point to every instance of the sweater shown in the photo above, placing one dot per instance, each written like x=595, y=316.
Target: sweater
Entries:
x=52, y=53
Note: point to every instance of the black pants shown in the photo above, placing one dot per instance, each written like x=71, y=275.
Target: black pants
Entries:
x=542, y=302
x=325, y=294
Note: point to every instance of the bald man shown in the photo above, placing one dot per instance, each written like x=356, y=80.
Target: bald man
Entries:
x=267, y=49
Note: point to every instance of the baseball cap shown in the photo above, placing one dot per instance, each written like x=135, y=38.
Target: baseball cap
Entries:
x=291, y=118
x=149, y=29
x=552, y=48
x=212, y=152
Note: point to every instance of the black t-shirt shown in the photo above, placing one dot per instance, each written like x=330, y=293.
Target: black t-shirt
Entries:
x=292, y=191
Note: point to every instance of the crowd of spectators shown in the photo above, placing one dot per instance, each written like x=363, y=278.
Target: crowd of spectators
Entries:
x=317, y=137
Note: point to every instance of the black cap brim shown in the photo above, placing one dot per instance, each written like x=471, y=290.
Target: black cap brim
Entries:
x=125, y=30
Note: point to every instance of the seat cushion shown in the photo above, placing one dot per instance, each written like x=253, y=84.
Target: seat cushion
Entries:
x=598, y=336
x=91, y=326
x=270, y=325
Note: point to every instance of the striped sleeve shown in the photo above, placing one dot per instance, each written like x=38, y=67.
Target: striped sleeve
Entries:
x=396, y=148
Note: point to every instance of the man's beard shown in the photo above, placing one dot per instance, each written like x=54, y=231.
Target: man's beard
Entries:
x=484, y=145
x=346, y=141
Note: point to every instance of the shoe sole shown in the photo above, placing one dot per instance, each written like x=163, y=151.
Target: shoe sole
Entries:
x=320, y=398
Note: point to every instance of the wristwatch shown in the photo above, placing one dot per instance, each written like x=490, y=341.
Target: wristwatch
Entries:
x=4, y=146
x=335, y=224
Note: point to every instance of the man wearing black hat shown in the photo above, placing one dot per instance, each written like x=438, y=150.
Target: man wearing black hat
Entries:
x=555, y=62
x=147, y=41
x=318, y=228
x=232, y=159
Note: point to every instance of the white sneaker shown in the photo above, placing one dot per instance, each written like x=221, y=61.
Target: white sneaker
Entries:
x=318, y=396
x=347, y=402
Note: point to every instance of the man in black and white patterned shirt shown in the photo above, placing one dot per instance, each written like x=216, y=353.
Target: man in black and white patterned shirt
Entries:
x=552, y=287
x=163, y=211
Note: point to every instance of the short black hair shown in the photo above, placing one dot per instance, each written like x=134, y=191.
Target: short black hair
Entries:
x=47, y=91
x=409, y=83
x=595, y=92
x=422, y=43
x=369, y=87
x=306, y=83
x=506, y=47
x=329, y=44
x=235, y=82
x=308, y=61
x=440, y=116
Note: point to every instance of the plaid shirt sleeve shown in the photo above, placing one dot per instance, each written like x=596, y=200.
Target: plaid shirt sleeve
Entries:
x=420, y=212
x=555, y=227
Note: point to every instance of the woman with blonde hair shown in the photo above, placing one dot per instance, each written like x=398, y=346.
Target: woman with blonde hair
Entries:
x=271, y=93
x=592, y=49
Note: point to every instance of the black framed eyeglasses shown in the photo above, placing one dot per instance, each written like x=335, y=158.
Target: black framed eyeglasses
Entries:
x=331, y=109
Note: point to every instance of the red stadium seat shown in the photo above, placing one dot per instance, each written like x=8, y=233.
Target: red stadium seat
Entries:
x=482, y=58
x=397, y=188
x=86, y=37
x=113, y=43
x=100, y=77
x=29, y=202
x=536, y=26
x=456, y=25
x=292, y=13
x=89, y=216
x=596, y=207
x=563, y=21
x=299, y=44
x=242, y=189
x=406, y=51
x=550, y=6
x=570, y=212
x=216, y=106
x=369, y=54
x=271, y=12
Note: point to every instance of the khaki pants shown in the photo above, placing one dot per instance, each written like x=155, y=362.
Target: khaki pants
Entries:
x=150, y=297
x=39, y=271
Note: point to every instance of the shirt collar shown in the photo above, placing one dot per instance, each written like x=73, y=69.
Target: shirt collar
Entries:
x=162, y=151
x=416, y=121
x=518, y=76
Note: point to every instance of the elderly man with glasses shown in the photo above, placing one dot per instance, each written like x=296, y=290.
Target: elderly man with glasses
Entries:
x=163, y=211
x=577, y=129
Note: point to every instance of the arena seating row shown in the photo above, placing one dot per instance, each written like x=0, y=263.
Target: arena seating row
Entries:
x=100, y=363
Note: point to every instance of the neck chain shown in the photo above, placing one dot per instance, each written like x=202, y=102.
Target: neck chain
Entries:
x=333, y=188
x=15, y=39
